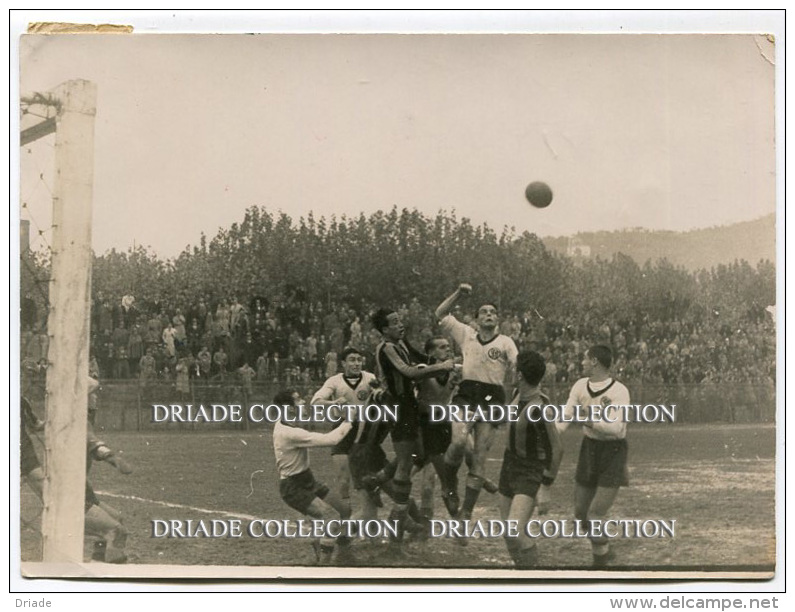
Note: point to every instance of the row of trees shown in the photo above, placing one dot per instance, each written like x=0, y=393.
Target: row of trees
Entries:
x=390, y=257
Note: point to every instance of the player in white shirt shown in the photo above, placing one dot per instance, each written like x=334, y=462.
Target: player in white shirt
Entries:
x=352, y=387
x=297, y=484
x=602, y=465
x=488, y=373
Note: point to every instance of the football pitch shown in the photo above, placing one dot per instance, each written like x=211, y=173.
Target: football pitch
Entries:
x=717, y=481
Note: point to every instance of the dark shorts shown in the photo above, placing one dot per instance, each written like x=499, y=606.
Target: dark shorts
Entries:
x=364, y=459
x=299, y=491
x=91, y=497
x=407, y=425
x=602, y=463
x=436, y=437
x=475, y=393
x=519, y=476
x=28, y=460
x=344, y=446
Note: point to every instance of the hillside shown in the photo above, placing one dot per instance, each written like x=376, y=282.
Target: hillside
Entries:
x=703, y=248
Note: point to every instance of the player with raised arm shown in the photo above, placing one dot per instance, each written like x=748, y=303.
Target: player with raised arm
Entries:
x=532, y=457
x=397, y=364
x=488, y=377
x=602, y=465
x=297, y=484
x=352, y=387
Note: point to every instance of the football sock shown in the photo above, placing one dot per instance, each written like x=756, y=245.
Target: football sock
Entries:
x=389, y=470
x=345, y=511
x=417, y=515
x=471, y=494
x=401, y=492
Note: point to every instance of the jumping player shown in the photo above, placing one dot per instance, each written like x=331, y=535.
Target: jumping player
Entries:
x=297, y=484
x=397, y=366
x=532, y=457
x=488, y=377
x=602, y=465
x=352, y=387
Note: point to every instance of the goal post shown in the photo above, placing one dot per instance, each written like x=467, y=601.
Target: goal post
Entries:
x=68, y=323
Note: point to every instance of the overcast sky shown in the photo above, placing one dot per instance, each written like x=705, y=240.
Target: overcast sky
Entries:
x=664, y=132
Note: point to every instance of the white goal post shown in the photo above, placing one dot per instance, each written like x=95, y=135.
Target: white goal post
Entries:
x=68, y=319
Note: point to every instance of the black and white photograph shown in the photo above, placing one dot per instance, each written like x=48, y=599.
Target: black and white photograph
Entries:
x=397, y=305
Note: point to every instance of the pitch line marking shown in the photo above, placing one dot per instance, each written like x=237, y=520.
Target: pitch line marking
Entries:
x=180, y=506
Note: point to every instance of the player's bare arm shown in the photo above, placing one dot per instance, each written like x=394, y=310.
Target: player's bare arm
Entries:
x=416, y=372
x=568, y=411
x=509, y=384
x=319, y=401
x=444, y=308
x=311, y=439
x=557, y=450
x=543, y=498
x=104, y=453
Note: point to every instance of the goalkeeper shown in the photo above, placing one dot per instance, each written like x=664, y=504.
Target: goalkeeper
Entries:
x=101, y=520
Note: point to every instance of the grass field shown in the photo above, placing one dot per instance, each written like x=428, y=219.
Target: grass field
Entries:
x=717, y=481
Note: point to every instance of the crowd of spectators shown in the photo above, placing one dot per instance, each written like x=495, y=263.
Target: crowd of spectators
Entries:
x=271, y=301
x=290, y=339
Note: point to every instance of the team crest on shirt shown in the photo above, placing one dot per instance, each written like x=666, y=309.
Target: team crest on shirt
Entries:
x=606, y=401
x=494, y=353
x=362, y=394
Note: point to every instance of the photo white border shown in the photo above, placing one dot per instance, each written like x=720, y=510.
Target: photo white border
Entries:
x=179, y=21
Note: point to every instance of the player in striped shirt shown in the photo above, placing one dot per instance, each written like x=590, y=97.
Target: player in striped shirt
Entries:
x=398, y=369
x=602, y=465
x=435, y=437
x=532, y=457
